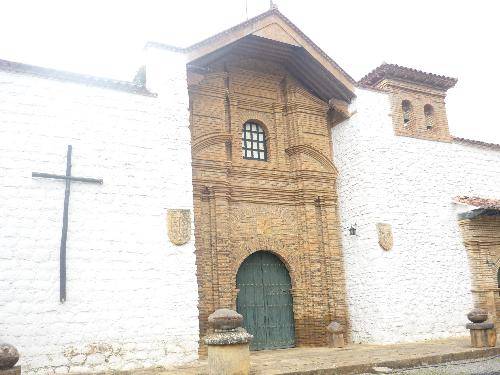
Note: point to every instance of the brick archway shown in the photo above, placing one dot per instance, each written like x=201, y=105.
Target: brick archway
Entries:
x=265, y=300
x=481, y=237
x=285, y=204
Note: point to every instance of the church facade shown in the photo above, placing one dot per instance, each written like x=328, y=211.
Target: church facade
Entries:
x=248, y=171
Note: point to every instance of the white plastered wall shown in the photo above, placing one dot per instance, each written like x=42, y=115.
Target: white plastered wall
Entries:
x=421, y=288
x=132, y=294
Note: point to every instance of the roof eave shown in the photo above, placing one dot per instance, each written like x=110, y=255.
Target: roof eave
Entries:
x=405, y=74
x=257, y=23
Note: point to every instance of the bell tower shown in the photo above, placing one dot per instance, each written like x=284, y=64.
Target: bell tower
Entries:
x=417, y=100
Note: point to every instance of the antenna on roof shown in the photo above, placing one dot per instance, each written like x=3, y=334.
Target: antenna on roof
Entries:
x=272, y=5
x=246, y=8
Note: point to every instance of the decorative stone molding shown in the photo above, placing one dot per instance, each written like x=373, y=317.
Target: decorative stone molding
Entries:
x=385, y=239
x=179, y=226
x=225, y=320
x=478, y=315
x=315, y=154
x=209, y=140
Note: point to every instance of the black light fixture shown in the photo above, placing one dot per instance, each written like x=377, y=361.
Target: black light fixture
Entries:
x=352, y=230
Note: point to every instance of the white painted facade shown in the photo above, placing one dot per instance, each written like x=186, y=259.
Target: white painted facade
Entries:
x=421, y=288
x=132, y=295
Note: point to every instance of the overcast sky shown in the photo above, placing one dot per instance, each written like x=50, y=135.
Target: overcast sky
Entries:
x=105, y=37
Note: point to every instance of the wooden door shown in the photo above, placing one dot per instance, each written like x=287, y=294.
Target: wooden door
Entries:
x=265, y=301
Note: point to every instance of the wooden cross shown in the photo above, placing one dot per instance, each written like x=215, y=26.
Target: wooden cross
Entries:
x=62, y=254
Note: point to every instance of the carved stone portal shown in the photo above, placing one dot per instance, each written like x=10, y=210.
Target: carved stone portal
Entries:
x=385, y=239
x=179, y=226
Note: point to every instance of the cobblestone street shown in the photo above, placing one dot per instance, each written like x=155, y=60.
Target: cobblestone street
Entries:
x=487, y=366
x=410, y=358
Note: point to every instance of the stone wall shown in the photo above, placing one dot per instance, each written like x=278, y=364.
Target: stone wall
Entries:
x=132, y=295
x=420, y=289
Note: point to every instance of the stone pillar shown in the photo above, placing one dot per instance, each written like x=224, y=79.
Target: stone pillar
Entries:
x=482, y=333
x=229, y=345
x=336, y=335
x=8, y=359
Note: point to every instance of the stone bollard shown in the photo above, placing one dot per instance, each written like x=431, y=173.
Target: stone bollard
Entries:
x=336, y=336
x=482, y=334
x=229, y=345
x=8, y=358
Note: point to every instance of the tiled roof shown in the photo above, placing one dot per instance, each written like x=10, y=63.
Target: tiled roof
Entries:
x=479, y=202
x=393, y=71
x=61, y=75
x=276, y=12
x=164, y=46
x=478, y=143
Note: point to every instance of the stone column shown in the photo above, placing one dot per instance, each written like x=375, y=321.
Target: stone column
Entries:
x=336, y=335
x=229, y=345
x=482, y=333
x=8, y=359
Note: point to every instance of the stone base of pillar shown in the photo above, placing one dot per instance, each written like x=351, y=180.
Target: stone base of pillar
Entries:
x=229, y=359
x=336, y=341
x=336, y=335
x=16, y=370
x=482, y=335
x=229, y=345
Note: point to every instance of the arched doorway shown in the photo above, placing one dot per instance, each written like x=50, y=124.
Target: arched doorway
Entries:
x=265, y=301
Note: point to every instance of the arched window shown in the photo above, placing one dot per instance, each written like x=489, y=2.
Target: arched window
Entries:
x=429, y=116
x=253, y=142
x=406, y=106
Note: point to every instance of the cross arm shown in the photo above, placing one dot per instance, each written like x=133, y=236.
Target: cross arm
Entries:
x=71, y=178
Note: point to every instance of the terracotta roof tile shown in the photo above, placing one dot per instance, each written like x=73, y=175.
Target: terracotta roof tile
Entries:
x=478, y=202
x=397, y=72
x=61, y=75
x=271, y=11
x=474, y=142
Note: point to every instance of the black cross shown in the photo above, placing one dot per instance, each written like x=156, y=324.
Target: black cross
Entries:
x=68, y=178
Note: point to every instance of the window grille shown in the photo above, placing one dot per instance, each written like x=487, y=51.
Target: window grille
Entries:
x=253, y=142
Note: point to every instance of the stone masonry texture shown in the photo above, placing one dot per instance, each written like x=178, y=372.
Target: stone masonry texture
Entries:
x=136, y=301
x=420, y=289
x=132, y=295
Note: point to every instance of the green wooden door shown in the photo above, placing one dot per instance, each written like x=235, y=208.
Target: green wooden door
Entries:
x=265, y=301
